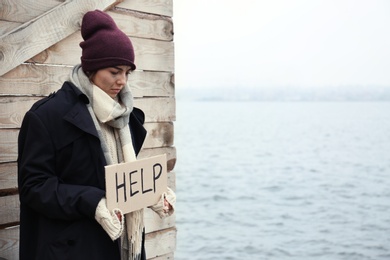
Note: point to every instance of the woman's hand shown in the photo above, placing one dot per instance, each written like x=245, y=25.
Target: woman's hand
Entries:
x=111, y=221
x=119, y=215
x=167, y=206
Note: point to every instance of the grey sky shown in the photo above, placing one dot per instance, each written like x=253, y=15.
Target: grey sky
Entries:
x=258, y=43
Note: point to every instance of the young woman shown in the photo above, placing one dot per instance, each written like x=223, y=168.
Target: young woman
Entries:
x=66, y=140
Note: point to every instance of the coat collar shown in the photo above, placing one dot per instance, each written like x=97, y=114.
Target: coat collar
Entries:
x=78, y=115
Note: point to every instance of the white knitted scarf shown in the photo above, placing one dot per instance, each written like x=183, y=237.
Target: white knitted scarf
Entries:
x=116, y=114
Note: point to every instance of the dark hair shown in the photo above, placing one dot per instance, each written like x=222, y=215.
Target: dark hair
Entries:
x=90, y=74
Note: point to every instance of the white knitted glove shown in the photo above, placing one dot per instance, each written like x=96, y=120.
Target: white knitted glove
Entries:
x=109, y=220
x=160, y=208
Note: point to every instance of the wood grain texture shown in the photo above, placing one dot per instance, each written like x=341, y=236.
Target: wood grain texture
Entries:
x=160, y=242
x=34, y=36
x=9, y=243
x=41, y=80
x=153, y=222
x=12, y=111
x=25, y=10
x=152, y=84
x=154, y=55
x=9, y=209
x=6, y=26
x=157, y=109
x=8, y=148
x=8, y=176
x=162, y=7
x=143, y=25
x=29, y=79
x=159, y=135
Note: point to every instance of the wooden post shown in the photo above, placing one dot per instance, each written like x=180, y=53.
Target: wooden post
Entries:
x=39, y=46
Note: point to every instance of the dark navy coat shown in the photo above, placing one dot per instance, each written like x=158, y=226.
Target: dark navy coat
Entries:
x=61, y=179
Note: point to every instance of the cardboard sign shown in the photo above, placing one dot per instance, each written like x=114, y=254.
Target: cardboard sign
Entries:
x=135, y=185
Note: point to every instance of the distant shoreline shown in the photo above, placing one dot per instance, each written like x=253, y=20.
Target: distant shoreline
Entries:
x=285, y=94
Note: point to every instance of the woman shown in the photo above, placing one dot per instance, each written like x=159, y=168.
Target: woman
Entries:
x=66, y=140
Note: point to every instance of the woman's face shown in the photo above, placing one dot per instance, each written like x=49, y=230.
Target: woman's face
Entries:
x=112, y=79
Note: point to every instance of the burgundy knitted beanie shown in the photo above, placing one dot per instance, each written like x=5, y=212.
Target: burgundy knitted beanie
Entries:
x=104, y=45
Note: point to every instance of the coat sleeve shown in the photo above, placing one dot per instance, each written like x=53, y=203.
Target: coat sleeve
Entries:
x=138, y=132
x=39, y=187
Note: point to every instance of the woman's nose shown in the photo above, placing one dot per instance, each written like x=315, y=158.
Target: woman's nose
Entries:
x=122, y=79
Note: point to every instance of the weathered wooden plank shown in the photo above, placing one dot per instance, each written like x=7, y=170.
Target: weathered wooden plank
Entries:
x=152, y=84
x=149, y=54
x=9, y=243
x=154, y=55
x=157, y=109
x=172, y=180
x=41, y=80
x=159, y=135
x=29, y=79
x=143, y=25
x=8, y=147
x=25, y=10
x=154, y=223
x=163, y=7
x=8, y=176
x=64, y=52
x=13, y=109
x=9, y=212
x=32, y=37
x=6, y=26
x=160, y=242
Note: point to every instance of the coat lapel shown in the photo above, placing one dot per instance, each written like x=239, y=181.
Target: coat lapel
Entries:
x=80, y=117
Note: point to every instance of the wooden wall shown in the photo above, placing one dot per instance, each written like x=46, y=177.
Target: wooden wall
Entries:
x=149, y=24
